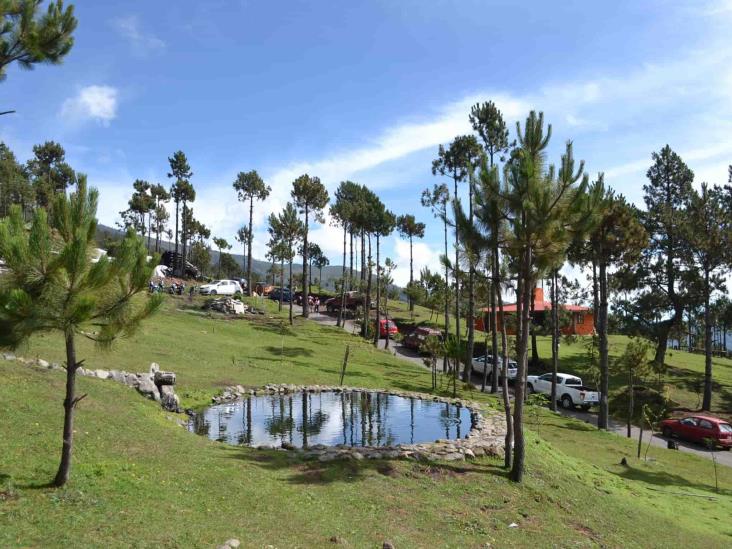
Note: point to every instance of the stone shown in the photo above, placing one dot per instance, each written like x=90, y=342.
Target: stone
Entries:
x=131, y=380
x=388, y=545
x=42, y=363
x=168, y=399
x=8, y=356
x=54, y=366
x=164, y=378
x=148, y=388
x=233, y=543
x=116, y=375
x=154, y=367
x=101, y=374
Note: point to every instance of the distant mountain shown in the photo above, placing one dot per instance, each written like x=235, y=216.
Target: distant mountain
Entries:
x=331, y=273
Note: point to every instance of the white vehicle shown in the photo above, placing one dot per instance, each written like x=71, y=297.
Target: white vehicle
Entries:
x=479, y=366
x=570, y=391
x=221, y=287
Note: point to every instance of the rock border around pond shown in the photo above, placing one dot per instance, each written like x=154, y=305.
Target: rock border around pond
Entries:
x=486, y=437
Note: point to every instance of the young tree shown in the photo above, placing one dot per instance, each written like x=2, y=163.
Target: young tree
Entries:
x=310, y=197
x=542, y=210
x=456, y=162
x=221, y=244
x=634, y=362
x=314, y=252
x=659, y=298
x=321, y=261
x=29, y=38
x=54, y=286
x=617, y=239
x=138, y=215
x=387, y=280
x=242, y=237
x=437, y=199
x=49, y=173
x=200, y=256
x=709, y=233
x=249, y=186
x=341, y=211
x=180, y=171
x=487, y=121
x=286, y=230
x=410, y=228
x=278, y=250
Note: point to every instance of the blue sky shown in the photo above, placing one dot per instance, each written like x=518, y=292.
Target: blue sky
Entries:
x=367, y=91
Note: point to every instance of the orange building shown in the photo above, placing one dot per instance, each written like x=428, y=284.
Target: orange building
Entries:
x=582, y=320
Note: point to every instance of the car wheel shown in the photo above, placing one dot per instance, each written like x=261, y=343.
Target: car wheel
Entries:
x=586, y=407
x=726, y=448
x=530, y=389
x=567, y=403
x=667, y=432
x=212, y=292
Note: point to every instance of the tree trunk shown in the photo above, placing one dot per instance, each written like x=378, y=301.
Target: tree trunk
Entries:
x=339, y=320
x=604, y=416
x=411, y=277
x=631, y=398
x=456, y=274
x=184, y=238
x=447, y=299
x=291, y=293
x=282, y=282
x=595, y=294
x=707, y=401
x=306, y=291
x=495, y=296
x=249, y=244
x=517, y=470
x=377, y=329
x=149, y=228
x=508, y=443
x=532, y=328
x=350, y=266
x=64, y=468
x=555, y=340
x=175, y=259
x=367, y=300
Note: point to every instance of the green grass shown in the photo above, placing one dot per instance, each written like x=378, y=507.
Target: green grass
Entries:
x=684, y=378
x=141, y=480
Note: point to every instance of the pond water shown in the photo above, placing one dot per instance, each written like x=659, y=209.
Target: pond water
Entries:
x=331, y=418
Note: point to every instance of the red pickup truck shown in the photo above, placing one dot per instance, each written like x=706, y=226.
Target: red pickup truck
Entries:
x=352, y=300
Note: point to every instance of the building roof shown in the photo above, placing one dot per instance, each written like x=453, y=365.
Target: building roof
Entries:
x=541, y=305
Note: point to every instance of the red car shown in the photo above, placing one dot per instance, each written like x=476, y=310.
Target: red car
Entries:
x=698, y=429
x=385, y=325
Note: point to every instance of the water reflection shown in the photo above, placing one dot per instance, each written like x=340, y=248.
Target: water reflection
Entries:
x=350, y=418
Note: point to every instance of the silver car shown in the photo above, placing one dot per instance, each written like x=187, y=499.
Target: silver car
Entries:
x=479, y=366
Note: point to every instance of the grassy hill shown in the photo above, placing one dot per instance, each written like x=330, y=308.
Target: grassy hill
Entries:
x=139, y=479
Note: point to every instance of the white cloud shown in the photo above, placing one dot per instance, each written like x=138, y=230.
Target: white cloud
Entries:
x=423, y=254
x=98, y=103
x=143, y=43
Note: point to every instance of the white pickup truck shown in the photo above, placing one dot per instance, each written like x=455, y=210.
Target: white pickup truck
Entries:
x=570, y=391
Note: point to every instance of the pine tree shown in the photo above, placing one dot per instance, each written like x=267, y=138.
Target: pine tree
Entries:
x=29, y=38
x=410, y=229
x=221, y=244
x=180, y=191
x=310, y=197
x=49, y=172
x=709, y=233
x=286, y=230
x=249, y=186
x=55, y=286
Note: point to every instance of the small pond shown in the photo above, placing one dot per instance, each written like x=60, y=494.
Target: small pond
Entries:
x=352, y=418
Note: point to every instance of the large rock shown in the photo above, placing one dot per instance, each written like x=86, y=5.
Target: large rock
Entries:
x=168, y=399
x=101, y=374
x=164, y=378
x=132, y=380
x=119, y=377
x=154, y=367
x=148, y=388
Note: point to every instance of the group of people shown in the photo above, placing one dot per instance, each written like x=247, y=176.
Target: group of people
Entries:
x=176, y=288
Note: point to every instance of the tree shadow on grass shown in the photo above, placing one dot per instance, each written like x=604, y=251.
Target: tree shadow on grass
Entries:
x=289, y=351
x=669, y=481
x=313, y=472
x=274, y=328
x=572, y=426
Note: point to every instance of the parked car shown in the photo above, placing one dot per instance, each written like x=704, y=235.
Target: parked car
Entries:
x=699, y=428
x=417, y=337
x=479, y=366
x=285, y=292
x=262, y=288
x=386, y=326
x=221, y=287
x=353, y=300
x=570, y=390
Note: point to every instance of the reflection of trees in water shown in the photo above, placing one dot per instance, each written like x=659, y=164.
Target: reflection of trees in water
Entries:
x=311, y=422
x=450, y=417
x=281, y=423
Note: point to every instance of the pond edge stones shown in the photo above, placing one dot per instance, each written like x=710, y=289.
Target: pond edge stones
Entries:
x=486, y=437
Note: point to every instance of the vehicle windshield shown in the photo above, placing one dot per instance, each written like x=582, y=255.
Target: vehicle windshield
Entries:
x=725, y=428
x=573, y=381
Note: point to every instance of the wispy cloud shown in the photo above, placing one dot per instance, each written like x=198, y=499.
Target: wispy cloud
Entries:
x=97, y=103
x=143, y=43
